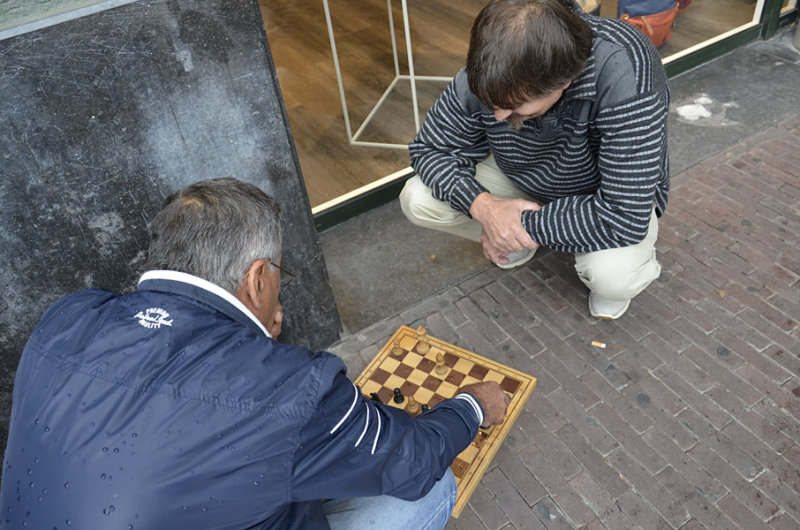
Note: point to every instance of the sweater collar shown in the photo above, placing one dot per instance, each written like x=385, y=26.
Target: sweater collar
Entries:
x=202, y=290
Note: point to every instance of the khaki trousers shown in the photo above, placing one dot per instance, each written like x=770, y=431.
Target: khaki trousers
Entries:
x=615, y=274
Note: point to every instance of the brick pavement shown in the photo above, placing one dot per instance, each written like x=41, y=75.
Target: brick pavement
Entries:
x=690, y=417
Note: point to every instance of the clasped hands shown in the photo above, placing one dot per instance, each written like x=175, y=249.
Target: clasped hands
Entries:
x=501, y=219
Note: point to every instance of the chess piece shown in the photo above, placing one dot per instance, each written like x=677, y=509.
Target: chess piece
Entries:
x=397, y=351
x=422, y=337
x=413, y=406
x=425, y=408
x=398, y=396
x=441, y=368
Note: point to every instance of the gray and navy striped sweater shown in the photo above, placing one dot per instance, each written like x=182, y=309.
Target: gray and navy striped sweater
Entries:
x=597, y=159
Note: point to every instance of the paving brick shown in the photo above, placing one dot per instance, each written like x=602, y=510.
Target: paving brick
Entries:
x=755, y=358
x=567, y=380
x=702, y=509
x=543, y=409
x=789, y=306
x=768, y=311
x=777, y=492
x=471, y=339
x=577, y=417
x=538, y=294
x=454, y=316
x=563, y=503
x=784, y=522
x=779, y=419
x=557, y=323
x=693, y=398
x=785, y=470
x=623, y=406
x=642, y=512
x=658, y=347
x=545, y=383
x=507, y=292
x=683, y=463
x=693, y=524
x=438, y=326
x=525, y=483
x=509, y=499
x=466, y=521
x=485, y=506
x=778, y=336
x=485, y=324
x=690, y=372
x=766, y=425
x=550, y=340
x=781, y=396
x=629, y=440
x=653, y=389
x=750, y=496
x=722, y=444
x=741, y=388
x=620, y=338
x=601, y=503
x=592, y=461
x=682, y=435
x=644, y=483
x=604, y=367
x=550, y=516
x=552, y=448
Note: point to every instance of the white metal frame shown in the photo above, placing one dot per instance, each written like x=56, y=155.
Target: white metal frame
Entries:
x=411, y=77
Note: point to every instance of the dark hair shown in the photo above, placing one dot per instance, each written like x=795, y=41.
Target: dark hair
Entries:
x=215, y=229
x=525, y=49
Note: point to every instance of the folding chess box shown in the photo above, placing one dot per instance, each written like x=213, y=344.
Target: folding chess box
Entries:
x=428, y=370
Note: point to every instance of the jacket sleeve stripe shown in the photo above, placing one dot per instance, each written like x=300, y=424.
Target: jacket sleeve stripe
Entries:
x=366, y=426
x=353, y=404
x=377, y=435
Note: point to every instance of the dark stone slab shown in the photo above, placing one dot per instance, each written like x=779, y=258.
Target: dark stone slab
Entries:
x=103, y=116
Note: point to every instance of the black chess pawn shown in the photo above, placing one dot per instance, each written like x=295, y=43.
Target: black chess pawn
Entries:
x=398, y=396
x=425, y=408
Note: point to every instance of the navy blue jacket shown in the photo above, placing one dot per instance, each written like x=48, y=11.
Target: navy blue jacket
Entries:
x=171, y=407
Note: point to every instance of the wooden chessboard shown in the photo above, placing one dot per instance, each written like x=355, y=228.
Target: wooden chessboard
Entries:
x=408, y=361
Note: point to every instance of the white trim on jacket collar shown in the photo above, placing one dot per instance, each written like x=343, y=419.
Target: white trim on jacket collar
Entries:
x=206, y=285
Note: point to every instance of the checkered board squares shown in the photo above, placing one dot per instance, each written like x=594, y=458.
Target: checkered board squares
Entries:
x=408, y=361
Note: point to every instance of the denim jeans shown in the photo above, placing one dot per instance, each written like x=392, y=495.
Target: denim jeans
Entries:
x=388, y=513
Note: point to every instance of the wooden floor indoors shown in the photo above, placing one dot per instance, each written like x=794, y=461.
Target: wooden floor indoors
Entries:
x=298, y=39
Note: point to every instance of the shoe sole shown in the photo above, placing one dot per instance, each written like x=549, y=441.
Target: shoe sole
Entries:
x=606, y=317
x=516, y=263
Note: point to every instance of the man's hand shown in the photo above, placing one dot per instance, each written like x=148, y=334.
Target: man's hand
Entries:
x=492, y=399
x=501, y=219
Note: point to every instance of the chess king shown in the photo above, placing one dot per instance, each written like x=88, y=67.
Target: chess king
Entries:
x=174, y=406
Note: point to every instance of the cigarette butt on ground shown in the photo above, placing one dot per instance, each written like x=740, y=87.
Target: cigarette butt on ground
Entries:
x=598, y=344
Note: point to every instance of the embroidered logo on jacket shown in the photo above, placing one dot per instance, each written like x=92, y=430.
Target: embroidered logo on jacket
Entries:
x=153, y=317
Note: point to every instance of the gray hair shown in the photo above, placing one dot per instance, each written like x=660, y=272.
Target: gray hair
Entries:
x=215, y=229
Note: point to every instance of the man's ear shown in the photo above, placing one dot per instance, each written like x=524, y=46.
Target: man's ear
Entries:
x=252, y=285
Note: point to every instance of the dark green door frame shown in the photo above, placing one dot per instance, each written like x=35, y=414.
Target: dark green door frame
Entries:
x=771, y=21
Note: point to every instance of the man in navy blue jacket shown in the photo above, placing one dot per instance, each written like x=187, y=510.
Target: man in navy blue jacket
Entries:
x=174, y=407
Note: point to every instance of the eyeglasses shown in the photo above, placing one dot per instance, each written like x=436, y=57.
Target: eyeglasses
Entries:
x=286, y=275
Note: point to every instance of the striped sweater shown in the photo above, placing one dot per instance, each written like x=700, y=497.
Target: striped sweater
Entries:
x=597, y=160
